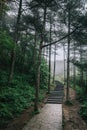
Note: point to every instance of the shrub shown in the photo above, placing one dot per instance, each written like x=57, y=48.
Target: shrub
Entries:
x=83, y=110
x=15, y=100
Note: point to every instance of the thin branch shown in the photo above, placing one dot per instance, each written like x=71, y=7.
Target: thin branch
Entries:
x=60, y=39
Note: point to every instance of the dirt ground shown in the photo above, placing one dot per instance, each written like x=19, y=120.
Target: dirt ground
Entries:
x=72, y=119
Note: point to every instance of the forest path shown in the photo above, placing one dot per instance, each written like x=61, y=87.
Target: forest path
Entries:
x=50, y=117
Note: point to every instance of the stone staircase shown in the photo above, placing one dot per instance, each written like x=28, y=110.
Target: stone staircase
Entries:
x=56, y=96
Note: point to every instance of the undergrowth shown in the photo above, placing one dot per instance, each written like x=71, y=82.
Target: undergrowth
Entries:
x=16, y=97
x=81, y=93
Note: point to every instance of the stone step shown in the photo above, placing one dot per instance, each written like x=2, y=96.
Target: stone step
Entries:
x=50, y=102
x=49, y=99
x=56, y=97
x=54, y=101
x=56, y=91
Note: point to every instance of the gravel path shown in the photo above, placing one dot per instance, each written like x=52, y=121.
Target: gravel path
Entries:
x=50, y=118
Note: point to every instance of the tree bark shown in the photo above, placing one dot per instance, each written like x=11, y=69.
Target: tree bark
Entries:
x=54, y=64
x=49, y=78
x=68, y=57
x=34, y=51
x=64, y=63
x=39, y=62
x=74, y=68
x=13, y=56
x=81, y=70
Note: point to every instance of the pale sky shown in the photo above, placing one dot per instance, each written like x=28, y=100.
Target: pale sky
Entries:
x=59, y=54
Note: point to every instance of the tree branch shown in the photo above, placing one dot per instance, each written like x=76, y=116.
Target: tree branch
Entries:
x=60, y=39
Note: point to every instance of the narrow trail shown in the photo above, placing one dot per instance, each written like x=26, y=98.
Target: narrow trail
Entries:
x=50, y=117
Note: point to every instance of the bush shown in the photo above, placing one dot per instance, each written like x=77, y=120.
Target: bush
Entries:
x=18, y=96
x=44, y=75
x=3, y=78
x=83, y=110
x=20, y=93
x=14, y=98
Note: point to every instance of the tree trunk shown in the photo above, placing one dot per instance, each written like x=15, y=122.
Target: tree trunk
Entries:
x=39, y=63
x=81, y=70
x=13, y=56
x=86, y=82
x=68, y=57
x=2, y=9
x=47, y=54
x=54, y=64
x=64, y=63
x=49, y=78
x=34, y=51
x=74, y=68
x=38, y=80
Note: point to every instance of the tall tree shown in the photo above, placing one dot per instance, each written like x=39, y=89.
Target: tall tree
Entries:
x=49, y=78
x=54, y=70
x=74, y=67
x=64, y=56
x=68, y=53
x=71, y=8
x=16, y=35
x=39, y=60
x=44, y=5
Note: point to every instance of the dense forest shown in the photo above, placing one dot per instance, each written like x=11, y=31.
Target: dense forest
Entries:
x=30, y=32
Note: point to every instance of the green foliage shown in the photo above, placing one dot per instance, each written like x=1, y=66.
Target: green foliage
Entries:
x=44, y=74
x=81, y=65
x=41, y=95
x=83, y=110
x=6, y=46
x=19, y=95
x=3, y=78
x=15, y=98
x=3, y=7
x=6, y=41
